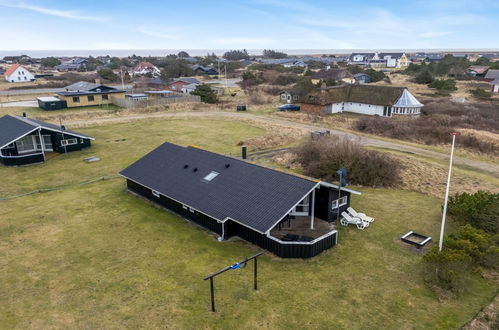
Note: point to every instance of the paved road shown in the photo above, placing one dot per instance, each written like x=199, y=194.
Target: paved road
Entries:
x=30, y=104
x=367, y=141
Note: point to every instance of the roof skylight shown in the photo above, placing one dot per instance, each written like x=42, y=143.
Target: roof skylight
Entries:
x=212, y=175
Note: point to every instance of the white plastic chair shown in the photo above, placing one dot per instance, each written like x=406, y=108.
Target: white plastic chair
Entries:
x=347, y=219
x=363, y=216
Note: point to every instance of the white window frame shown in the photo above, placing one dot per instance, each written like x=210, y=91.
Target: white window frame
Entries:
x=343, y=201
x=155, y=193
x=69, y=142
x=185, y=207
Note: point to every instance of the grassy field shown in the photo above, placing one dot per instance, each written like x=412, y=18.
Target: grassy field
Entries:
x=95, y=256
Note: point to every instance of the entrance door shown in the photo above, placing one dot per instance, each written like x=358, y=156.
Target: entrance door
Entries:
x=302, y=208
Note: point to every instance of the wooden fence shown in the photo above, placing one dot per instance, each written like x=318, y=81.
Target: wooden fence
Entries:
x=129, y=103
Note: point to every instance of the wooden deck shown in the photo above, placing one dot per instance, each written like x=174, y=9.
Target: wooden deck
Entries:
x=301, y=226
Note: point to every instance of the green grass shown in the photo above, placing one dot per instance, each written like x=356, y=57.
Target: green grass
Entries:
x=140, y=138
x=95, y=256
x=34, y=112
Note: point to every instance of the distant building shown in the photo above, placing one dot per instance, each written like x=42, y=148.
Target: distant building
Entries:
x=204, y=70
x=477, y=70
x=84, y=93
x=362, y=58
x=394, y=60
x=372, y=100
x=362, y=78
x=492, y=75
x=17, y=73
x=75, y=64
x=144, y=68
x=289, y=96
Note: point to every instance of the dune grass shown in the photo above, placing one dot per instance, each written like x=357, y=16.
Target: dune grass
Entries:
x=96, y=256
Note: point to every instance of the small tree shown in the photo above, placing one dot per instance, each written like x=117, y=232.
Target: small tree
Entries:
x=424, y=77
x=50, y=62
x=480, y=93
x=444, y=85
x=108, y=74
x=183, y=54
x=375, y=75
x=206, y=93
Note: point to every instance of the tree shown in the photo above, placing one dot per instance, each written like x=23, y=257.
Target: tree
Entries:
x=375, y=75
x=206, y=93
x=183, y=54
x=482, y=61
x=175, y=68
x=236, y=55
x=50, y=62
x=444, y=85
x=424, y=77
x=268, y=53
x=108, y=74
x=316, y=65
x=303, y=86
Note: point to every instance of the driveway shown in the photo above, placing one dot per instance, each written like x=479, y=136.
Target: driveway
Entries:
x=366, y=141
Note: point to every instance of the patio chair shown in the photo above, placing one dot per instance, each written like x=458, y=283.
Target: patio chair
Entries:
x=364, y=217
x=348, y=219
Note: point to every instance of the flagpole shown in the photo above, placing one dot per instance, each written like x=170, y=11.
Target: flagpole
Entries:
x=440, y=242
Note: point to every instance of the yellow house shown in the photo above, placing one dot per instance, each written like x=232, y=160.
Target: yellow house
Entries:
x=83, y=94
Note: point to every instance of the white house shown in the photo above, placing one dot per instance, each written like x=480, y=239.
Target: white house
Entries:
x=144, y=68
x=187, y=89
x=374, y=100
x=17, y=73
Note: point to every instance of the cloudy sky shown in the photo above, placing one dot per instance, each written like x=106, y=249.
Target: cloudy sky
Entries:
x=251, y=24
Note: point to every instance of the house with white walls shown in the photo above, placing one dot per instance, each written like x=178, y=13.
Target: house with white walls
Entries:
x=17, y=73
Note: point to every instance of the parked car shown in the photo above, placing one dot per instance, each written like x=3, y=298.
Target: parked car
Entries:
x=290, y=107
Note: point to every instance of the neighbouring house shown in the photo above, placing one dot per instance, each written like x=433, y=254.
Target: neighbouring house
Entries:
x=477, y=70
x=17, y=73
x=286, y=214
x=394, y=60
x=491, y=75
x=188, y=89
x=286, y=62
x=176, y=85
x=26, y=141
x=434, y=57
x=289, y=96
x=334, y=74
x=21, y=59
x=374, y=100
x=493, y=57
x=204, y=70
x=74, y=64
x=362, y=58
x=494, y=84
x=51, y=103
x=160, y=94
x=362, y=78
x=144, y=68
x=84, y=93
x=136, y=96
x=2, y=71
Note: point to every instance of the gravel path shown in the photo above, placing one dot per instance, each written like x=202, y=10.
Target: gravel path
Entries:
x=367, y=141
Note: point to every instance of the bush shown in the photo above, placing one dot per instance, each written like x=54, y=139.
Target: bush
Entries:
x=375, y=75
x=444, y=85
x=108, y=74
x=285, y=79
x=206, y=93
x=321, y=158
x=481, y=210
x=469, y=247
x=480, y=93
x=424, y=77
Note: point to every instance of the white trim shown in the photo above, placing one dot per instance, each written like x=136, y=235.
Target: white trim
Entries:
x=19, y=137
x=66, y=142
x=67, y=133
x=20, y=156
x=330, y=185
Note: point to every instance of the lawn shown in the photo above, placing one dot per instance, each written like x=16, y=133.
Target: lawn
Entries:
x=95, y=256
x=37, y=112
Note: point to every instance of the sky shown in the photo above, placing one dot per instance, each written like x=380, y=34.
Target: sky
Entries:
x=250, y=24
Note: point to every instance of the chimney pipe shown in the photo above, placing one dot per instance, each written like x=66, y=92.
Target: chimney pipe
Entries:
x=244, y=151
x=24, y=114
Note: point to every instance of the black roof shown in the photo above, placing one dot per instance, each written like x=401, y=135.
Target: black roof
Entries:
x=252, y=195
x=15, y=127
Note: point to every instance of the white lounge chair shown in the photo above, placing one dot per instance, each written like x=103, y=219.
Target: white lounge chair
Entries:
x=364, y=217
x=348, y=219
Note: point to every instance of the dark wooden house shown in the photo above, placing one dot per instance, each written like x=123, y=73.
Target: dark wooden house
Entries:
x=289, y=215
x=26, y=141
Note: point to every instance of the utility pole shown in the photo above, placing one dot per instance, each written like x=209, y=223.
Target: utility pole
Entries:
x=444, y=212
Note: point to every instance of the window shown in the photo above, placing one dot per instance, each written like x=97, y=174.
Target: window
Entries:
x=191, y=210
x=25, y=78
x=212, y=175
x=69, y=142
x=26, y=144
x=342, y=201
x=105, y=97
x=76, y=99
x=90, y=98
x=155, y=193
x=174, y=87
x=184, y=207
x=12, y=145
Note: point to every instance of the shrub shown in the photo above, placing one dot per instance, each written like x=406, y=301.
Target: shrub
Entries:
x=285, y=79
x=375, y=75
x=444, y=85
x=321, y=158
x=481, y=210
x=424, y=77
x=206, y=93
x=480, y=93
x=108, y=74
